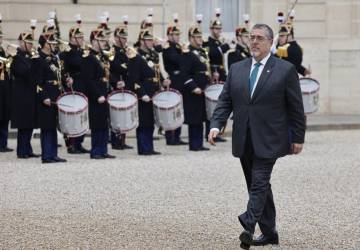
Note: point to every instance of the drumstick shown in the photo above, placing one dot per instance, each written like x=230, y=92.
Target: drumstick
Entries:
x=61, y=104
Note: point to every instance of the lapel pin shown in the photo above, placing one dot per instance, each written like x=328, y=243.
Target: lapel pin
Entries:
x=268, y=71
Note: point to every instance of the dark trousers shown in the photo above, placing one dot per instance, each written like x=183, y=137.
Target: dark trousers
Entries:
x=49, y=142
x=196, y=136
x=24, y=142
x=99, y=140
x=4, y=132
x=145, y=139
x=173, y=136
x=260, y=207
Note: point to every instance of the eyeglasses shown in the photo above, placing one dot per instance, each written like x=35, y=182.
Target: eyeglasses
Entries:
x=258, y=38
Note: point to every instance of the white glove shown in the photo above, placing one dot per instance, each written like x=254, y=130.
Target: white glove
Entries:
x=145, y=98
x=101, y=99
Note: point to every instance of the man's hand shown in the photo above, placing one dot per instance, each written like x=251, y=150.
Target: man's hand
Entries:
x=47, y=102
x=101, y=99
x=307, y=72
x=145, y=98
x=69, y=82
x=296, y=148
x=120, y=84
x=212, y=135
x=197, y=91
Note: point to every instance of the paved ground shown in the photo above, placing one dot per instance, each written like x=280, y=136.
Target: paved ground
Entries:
x=179, y=200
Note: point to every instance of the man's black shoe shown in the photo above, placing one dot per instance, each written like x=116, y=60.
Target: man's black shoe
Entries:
x=48, y=161
x=125, y=146
x=263, y=240
x=58, y=159
x=220, y=139
x=117, y=147
x=244, y=246
x=6, y=150
x=32, y=155
x=73, y=151
x=246, y=237
x=107, y=156
x=22, y=156
x=155, y=153
x=83, y=150
x=200, y=149
x=182, y=143
x=97, y=157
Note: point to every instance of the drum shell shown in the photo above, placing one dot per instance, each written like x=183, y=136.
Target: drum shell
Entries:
x=210, y=103
x=73, y=123
x=169, y=118
x=126, y=118
x=310, y=98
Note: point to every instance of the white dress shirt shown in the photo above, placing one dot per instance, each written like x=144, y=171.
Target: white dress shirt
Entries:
x=261, y=67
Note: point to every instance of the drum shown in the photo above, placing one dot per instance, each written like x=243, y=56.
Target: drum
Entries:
x=212, y=93
x=310, y=94
x=168, y=109
x=73, y=114
x=123, y=106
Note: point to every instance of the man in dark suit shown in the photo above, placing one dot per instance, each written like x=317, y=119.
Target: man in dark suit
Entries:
x=264, y=94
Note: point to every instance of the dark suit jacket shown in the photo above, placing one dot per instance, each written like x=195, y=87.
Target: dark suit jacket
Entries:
x=275, y=108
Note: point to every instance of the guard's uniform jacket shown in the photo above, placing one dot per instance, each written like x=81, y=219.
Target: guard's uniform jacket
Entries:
x=96, y=74
x=72, y=62
x=4, y=89
x=145, y=78
x=237, y=54
x=216, y=51
x=172, y=57
x=196, y=73
x=47, y=73
x=23, y=93
x=119, y=68
x=292, y=53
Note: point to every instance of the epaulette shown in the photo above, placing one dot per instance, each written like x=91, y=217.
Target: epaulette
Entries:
x=282, y=51
x=137, y=86
x=86, y=53
x=166, y=45
x=131, y=52
x=38, y=89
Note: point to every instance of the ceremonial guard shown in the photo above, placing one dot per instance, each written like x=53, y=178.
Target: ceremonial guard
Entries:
x=145, y=79
x=241, y=50
x=216, y=50
x=72, y=59
x=196, y=72
x=4, y=97
x=172, y=57
x=119, y=75
x=23, y=95
x=287, y=47
x=96, y=74
x=48, y=77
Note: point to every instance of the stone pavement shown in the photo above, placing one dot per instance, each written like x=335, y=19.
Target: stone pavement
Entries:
x=179, y=200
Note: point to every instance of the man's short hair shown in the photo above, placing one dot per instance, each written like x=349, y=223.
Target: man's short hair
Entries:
x=268, y=30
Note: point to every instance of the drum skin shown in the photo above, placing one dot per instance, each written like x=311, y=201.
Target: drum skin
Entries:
x=73, y=114
x=168, y=109
x=212, y=93
x=123, y=105
x=310, y=94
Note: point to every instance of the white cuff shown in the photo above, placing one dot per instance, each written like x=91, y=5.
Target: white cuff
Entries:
x=215, y=129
